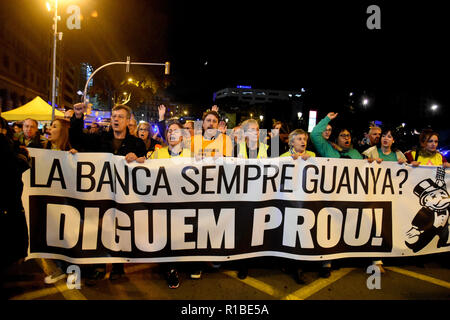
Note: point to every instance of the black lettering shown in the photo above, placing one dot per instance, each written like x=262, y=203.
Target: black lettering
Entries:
x=85, y=176
x=247, y=178
x=345, y=176
x=56, y=166
x=375, y=179
x=284, y=177
x=33, y=175
x=162, y=173
x=390, y=185
x=206, y=179
x=364, y=182
x=305, y=177
x=134, y=178
x=124, y=185
x=322, y=180
x=266, y=178
x=235, y=178
x=62, y=223
x=195, y=184
x=101, y=181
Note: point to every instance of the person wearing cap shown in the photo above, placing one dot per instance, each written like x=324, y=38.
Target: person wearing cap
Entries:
x=432, y=219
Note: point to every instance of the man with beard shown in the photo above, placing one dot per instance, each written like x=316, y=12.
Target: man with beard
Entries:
x=212, y=142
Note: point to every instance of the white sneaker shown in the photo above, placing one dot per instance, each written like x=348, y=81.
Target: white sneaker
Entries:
x=55, y=277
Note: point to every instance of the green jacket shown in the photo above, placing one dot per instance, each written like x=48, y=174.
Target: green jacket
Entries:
x=324, y=148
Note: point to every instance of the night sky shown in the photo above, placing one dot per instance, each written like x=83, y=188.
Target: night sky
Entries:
x=323, y=46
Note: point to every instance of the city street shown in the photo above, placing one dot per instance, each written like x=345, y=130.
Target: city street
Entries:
x=412, y=279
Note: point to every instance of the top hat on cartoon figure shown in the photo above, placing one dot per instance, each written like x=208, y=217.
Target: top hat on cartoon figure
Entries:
x=431, y=195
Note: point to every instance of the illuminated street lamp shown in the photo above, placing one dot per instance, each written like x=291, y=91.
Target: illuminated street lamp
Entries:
x=434, y=107
x=261, y=117
x=365, y=102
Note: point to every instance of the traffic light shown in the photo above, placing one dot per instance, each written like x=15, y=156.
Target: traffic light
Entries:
x=167, y=69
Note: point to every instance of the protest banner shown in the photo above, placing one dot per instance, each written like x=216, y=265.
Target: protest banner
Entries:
x=96, y=208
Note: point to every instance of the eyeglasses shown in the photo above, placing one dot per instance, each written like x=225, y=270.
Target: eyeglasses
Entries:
x=345, y=135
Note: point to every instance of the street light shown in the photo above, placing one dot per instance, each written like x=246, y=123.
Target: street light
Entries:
x=434, y=107
x=56, y=35
x=365, y=102
x=127, y=69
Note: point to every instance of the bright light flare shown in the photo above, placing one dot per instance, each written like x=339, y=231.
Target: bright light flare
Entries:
x=49, y=7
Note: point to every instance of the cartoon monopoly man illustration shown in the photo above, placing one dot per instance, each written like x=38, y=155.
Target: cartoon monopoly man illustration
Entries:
x=433, y=218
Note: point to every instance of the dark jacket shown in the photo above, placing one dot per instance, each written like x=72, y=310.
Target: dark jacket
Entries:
x=13, y=228
x=38, y=141
x=85, y=142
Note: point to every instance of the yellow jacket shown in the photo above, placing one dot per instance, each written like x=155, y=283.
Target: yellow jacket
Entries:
x=262, y=151
x=288, y=154
x=163, y=153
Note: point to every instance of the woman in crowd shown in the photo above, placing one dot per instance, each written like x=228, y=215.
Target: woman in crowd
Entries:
x=249, y=147
x=427, y=153
x=144, y=132
x=327, y=132
x=58, y=140
x=281, y=132
x=174, y=149
x=58, y=137
x=175, y=143
x=343, y=145
x=385, y=150
x=298, y=141
x=341, y=149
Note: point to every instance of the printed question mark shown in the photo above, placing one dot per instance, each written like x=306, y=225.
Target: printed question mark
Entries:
x=404, y=179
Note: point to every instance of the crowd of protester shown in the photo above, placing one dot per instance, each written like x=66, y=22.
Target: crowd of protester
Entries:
x=170, y=138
